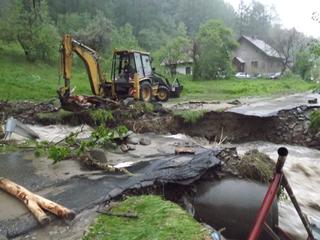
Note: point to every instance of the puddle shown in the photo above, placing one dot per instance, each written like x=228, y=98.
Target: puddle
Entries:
x=232, y=204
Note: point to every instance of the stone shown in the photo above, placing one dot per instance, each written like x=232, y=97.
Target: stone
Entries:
x=145, y=141
x=124, y=148
x=235, y=102
x=132, y=140
x=317, y=136
x=128, y=101
x=299, y=110
x=298, y=128
x=291, y=126
x=158, y=108
x=304, y=108
x=131, y=147
x=306, y=125
x=98, y=154
x=313, y=101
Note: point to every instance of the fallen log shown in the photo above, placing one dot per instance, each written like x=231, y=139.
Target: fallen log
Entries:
x=36, y=203
x=184, y=150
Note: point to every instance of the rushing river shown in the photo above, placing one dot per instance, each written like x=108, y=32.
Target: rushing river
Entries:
x=302, y=169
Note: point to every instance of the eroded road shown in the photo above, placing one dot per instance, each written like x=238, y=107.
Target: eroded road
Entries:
x=77, y=187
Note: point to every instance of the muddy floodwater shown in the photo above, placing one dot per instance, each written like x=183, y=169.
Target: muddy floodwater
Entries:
x=302, y=169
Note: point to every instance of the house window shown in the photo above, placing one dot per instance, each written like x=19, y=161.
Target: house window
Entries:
x=188, y=70
x=254, y=64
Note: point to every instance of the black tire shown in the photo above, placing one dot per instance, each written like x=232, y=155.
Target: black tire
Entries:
x=163, y=94
x=145, y=92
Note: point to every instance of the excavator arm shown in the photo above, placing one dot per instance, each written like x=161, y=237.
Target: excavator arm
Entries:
x=90, y=59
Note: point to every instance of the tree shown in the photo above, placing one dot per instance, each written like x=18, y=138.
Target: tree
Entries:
x=71, y=23
x=123, y=37
x=97, y=33
x=30, y=25
x=287, y=43
x=255, y=19
x=177, y=49
x=212, y=51
x=304, y=64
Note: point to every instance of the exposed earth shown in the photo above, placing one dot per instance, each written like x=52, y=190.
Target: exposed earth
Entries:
x=283, y=120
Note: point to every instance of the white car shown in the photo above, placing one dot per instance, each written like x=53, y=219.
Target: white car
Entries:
x=275, y=75
x=242, y=75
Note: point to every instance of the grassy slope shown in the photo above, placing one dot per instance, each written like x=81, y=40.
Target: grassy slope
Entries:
x=157, y=219
x=21, y=80
x=235, y=88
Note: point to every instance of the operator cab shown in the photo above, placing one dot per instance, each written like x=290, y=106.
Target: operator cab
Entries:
x=125, y=64
x=136, y=61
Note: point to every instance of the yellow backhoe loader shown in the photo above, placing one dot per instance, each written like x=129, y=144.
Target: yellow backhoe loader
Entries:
x=131, y=74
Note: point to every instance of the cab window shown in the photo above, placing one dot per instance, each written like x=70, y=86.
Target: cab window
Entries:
x=146, y=65
x=139, y=68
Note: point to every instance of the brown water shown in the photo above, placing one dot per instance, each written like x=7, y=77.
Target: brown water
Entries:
x=302, y=169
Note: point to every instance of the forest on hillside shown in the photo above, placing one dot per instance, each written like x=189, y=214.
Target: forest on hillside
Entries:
x=169, y=29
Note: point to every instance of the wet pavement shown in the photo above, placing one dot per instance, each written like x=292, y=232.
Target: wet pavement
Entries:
x=271, y=106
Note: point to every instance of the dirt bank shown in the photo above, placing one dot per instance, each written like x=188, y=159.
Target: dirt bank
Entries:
x=288, y=126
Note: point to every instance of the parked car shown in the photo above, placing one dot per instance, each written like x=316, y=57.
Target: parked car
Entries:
x=242, y=75
x=275, y=75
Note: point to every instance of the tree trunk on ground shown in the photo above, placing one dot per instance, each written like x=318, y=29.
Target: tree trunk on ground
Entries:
x=36, y=203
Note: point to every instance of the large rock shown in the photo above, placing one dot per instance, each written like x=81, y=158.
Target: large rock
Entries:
x=131, y=147
x=132, y=140
x=145, y=141
x=98, y=155
x=124, y=148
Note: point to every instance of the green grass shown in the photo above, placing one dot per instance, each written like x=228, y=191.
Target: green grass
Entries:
x=315, y=121
x=22, y=80
x=157, y=220
x=236, y=88
x=190, y=116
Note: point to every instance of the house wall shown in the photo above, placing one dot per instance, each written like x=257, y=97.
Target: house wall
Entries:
x=255, y=60
x=182, y=69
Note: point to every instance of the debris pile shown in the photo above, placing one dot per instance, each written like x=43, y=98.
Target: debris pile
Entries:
x=252, y=165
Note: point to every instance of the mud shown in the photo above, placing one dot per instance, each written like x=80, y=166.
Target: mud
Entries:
x=287, y=126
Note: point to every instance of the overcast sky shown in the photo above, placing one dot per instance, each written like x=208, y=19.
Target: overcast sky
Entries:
x=293, y=13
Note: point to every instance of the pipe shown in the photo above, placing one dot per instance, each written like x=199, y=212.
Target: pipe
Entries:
x=295, y=203
x=270, y=195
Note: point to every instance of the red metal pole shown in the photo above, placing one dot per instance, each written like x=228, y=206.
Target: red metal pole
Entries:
x=270, y=196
